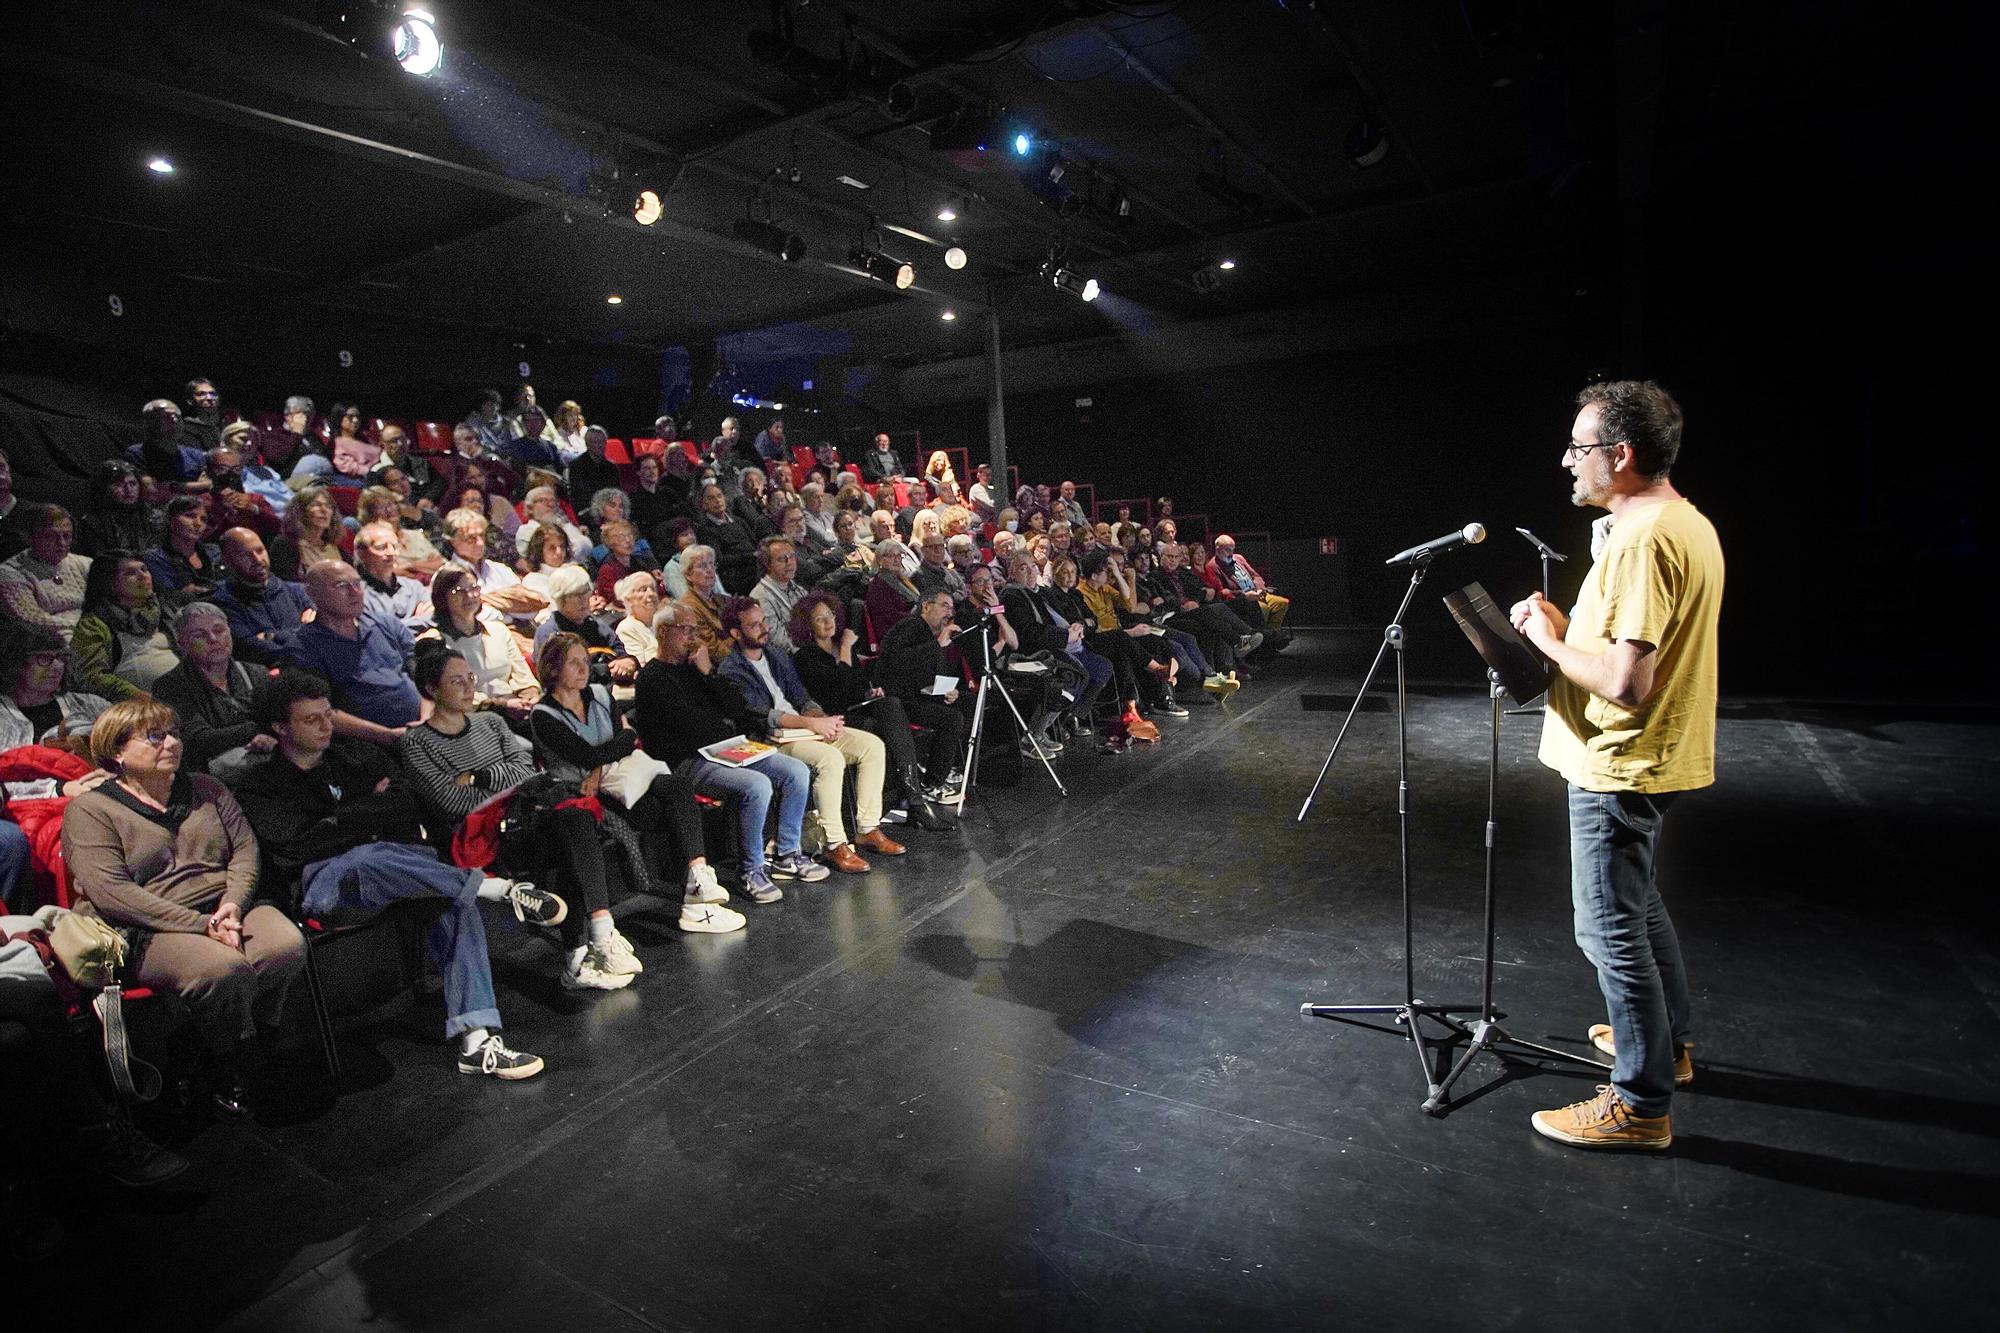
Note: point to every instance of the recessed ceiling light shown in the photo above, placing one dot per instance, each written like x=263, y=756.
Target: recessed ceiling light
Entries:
x=161, y=166
x=1226, y=264
x=852, y=183
x=947, y=315
x=614, y=299
x=955, y=257
x=947, y=214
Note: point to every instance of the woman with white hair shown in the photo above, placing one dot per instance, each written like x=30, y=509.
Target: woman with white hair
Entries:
x=211, y=691
x=891, y=596
x=639, y=593
x=702, y=602
x=569, y=613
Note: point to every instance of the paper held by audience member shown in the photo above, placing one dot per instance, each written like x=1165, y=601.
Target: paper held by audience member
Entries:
x=737, y=751
x=942, y=685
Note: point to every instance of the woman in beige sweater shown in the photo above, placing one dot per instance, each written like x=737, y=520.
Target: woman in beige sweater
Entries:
x=168, y=857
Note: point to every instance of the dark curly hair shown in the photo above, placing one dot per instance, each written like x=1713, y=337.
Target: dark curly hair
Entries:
x=1639, y=413
x=733, y=611
x=19, y=642
x=800, y=625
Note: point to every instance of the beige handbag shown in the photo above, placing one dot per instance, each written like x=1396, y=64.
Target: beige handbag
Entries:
x=88, y=948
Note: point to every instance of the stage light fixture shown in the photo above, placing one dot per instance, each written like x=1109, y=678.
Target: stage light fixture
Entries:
x=954, y=257
x=648, y=208
x=1024, y=143
x=418, y=49
x=159, y=166
x=882, y=268
x=1075, y=283
x=768, y=236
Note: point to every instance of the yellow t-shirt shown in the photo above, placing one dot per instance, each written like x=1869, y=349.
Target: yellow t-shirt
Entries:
x=1105, y=603
x=1658, y=581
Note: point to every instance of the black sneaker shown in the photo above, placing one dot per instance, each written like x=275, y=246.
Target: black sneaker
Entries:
x=492, y=1059
x=1170, y=706
x=127, y=1156
x=536, y=907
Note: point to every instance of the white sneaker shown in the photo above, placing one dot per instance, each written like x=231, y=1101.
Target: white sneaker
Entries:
x=619, y=957
x=708, y=919
x=706, y=888
x=593, y=972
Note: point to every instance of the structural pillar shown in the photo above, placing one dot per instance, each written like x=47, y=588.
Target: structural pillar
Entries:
x=996, y=409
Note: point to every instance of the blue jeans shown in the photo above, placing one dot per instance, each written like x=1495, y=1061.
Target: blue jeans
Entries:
x=1188, y=653
x=373, y=876
x=752, y=787
x=1623, y=928
x=13, y=864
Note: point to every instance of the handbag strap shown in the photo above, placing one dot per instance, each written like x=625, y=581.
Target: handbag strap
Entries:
x=133, y=1079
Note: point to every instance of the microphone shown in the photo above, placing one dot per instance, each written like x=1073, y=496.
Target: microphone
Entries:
x=1469, y=535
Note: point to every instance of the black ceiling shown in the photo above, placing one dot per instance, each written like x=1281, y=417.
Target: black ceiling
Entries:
x=311, y=178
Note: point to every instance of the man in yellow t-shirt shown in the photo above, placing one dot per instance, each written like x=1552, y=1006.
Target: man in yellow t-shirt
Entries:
x=1630, y=724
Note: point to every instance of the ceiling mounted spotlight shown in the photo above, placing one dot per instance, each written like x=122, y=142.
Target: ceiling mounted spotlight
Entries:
x=1075, y=283
x=883, y=268
x=648, y=208
x=159, y=166
x=614, y=299
x=954, y=257
x=947, y=315
x=386, y=30
x=948, y=211
x=773, y=239
x=1226, y=265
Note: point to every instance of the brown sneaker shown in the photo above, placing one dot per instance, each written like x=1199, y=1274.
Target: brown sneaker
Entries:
x=1604, y=1122
x=846, y=860
x=875, y=840
x=1600, y=1037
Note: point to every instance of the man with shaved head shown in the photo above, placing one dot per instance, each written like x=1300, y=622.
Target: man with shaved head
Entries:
x=264, y=612
x=365, y=656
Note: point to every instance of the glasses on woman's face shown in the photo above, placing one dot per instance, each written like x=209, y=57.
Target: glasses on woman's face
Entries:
x=156, y=739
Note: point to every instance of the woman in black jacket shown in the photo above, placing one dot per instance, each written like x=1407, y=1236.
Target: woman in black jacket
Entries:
x=825, y=661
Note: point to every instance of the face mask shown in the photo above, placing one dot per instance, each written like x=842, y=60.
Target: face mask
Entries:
x=1013, y=526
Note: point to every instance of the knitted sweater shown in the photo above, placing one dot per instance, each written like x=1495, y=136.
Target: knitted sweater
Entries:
x=487, y=749
x=46, y=595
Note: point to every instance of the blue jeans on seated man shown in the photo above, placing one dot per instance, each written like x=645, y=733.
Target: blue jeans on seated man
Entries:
x=1623, y=928
x=752, y=787
x=13, y=865
x=373, y=876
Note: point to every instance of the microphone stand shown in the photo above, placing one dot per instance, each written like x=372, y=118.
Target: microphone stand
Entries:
x=988, y=677
x=1548, y=554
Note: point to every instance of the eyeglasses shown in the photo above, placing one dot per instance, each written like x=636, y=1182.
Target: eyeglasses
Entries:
x=1572, y=447
x=158, y=738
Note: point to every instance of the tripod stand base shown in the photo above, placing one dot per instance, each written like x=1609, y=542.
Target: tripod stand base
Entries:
x=1482, y=1034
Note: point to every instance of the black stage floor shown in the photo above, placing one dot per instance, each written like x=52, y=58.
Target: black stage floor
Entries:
x=1051, y=1073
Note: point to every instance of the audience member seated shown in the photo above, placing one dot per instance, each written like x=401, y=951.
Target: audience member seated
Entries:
x=702, y=602
x=43, y=585
x=566, y=431
x=426, y=481
x=848, y=550
x=1042, y=629
x=934, y=570
x=119, y=645
x=1174, y=579
x=483, y=488
x=660, y=496
x=311, y=532
x=1128, y=665
x=546, y=547
x=163, y=455
x=985, y=502
x=639, y=595
x=771, y=446
x=233, y=506
x=570, y=613
x=334, y=816
x=378, y=551
x=264, y=612
x=912, y=657
x=38, y=706
x=881, y=463
x=419, y=532
x=779, y=590
x=500, y=675
x=892, y=592
x=365, y=657
x=353, y=454
x=622, y=556
x=685, y=704
x=916, y=516
x=488, y=429
x=211, y=692
x=117, y=519
x=528, y=448
x=283, y=448
x=168, y=854
x=770, y=684
x=545, y=512
x=733, y=541
x=499, y=585
x=826, y=668
x=1106, y=595
x=185, y=568
x=751, y=492
x=938, y=470
x=515, y=421
x=589, y=471
x=1243, y=587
